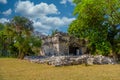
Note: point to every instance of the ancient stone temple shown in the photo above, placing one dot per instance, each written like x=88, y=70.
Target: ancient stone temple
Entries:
x=62, y=44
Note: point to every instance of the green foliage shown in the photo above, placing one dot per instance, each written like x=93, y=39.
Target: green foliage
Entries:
x=54, y=32
x=16, y=38
x=97, y=21
x=35, y=43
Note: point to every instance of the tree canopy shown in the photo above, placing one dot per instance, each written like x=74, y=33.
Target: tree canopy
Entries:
x=17, y=39
x=99, y=23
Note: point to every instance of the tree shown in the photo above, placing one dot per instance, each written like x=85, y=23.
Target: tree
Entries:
x=11, y=38
x=17, y=39
x=1, y=39
x=23, y=28
x=35, y=43
x=98, y=21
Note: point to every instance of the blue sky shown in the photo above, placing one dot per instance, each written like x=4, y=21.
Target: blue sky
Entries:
x=47, y=15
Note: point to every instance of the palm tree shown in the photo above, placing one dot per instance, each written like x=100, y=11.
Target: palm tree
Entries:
x=23, y=28
x=22, y=24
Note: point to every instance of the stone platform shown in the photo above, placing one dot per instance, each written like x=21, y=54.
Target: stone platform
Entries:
x=71, y=60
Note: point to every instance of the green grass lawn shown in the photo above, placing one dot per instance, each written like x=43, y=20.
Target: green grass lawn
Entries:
x=14, y=69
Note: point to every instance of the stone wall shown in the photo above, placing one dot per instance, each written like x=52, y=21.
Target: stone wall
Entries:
x=64, y=48
x=72, y=60
x=50, y=46
x=60, y=45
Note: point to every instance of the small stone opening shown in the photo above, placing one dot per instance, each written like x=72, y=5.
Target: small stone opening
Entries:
x=74, y=50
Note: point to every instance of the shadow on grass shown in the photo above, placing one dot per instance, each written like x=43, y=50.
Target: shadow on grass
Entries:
x=1, y=78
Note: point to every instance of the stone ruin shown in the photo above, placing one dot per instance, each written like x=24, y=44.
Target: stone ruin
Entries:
x=63, y=50
x=62, y=44
x=71, y=60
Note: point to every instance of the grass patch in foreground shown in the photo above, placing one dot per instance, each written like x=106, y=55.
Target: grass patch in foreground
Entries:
x=14, y=69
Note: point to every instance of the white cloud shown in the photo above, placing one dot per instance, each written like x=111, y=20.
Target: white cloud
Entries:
x=56, y=21
x=47, y=24
x=3, y=1
x=3, y=20
x=29, y=9
x=65, y=1
x=39, y=15
x=7, y=12
x=42, y=27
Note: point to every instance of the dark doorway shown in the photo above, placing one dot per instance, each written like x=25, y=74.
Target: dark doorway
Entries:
x=73, y=50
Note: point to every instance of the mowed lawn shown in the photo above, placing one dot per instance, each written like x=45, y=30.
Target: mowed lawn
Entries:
x=14, y=69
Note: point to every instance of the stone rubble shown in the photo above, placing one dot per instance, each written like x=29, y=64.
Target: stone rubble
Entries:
x=71, y=60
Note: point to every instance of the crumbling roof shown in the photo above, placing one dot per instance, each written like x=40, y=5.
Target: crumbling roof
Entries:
x=61, y=34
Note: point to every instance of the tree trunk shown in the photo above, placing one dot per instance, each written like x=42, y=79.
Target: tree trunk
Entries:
x=19, y=54
x=22, y=56
x=115, y=56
